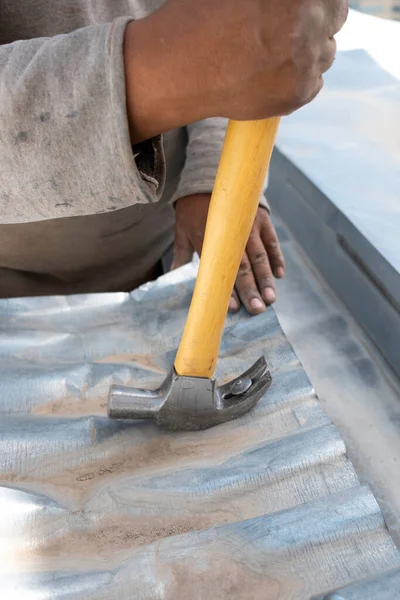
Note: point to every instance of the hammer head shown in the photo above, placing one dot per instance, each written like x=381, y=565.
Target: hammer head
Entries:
x=191, y=403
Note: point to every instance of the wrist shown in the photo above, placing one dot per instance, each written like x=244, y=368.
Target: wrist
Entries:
x=191, y=199
x=160, y=91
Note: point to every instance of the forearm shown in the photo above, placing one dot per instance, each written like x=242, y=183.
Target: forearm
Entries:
x=243, y=60
x=164, y=88
x=65, y=148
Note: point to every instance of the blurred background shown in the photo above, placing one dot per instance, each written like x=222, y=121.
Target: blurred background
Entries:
x=388, y=9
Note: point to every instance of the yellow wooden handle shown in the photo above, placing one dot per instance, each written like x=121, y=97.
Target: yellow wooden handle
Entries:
x=238, y=187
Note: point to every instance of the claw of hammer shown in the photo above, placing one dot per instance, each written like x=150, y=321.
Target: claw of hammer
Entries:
x=192, y=403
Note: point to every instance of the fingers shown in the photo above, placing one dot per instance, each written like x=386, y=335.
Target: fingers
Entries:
x=262, y=261
x=326, y=16
x=336, y=13
x=271, y=244
x=327, y=58
x=234, y=302
x=261, y=266
x=247, y=289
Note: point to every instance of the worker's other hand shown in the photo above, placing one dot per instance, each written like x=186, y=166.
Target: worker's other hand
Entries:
x=261, y=263
x=247, y=59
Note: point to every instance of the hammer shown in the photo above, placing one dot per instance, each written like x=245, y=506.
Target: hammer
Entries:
x=189, y=399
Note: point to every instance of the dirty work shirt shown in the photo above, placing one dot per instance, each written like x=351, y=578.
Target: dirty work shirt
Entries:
x=80, y=211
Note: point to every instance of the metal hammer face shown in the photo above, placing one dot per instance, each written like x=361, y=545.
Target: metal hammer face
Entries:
x=191, y=403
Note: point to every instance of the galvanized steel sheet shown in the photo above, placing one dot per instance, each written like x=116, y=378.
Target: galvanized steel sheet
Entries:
x=264, y=507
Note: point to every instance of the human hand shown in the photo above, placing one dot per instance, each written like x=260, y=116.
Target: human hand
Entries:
x=244, y=60
x=261, y=262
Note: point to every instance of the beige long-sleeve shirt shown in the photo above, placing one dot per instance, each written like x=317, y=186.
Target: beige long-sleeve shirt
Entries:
x=80, y=211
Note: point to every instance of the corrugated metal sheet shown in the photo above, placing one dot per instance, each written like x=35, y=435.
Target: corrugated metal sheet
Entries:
x=265, y=507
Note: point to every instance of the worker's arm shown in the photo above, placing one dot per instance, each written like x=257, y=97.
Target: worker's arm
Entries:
x=265, y=59
x=71, y=105
x=246, y=60
x=65, y=148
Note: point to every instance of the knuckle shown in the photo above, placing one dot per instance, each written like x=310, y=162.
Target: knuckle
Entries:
x=267, y=281
x=249, y=293
x=260, y=258
x=254, y=235
x=276, y=254
x=327, y=57
x=313, y=54
x=272, y=245
x=303, y=89
x=244, y=270
x=342, y=14
x=306, y=93
x=242, y=275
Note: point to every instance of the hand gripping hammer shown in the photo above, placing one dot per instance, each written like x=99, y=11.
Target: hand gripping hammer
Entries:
x=189, y=398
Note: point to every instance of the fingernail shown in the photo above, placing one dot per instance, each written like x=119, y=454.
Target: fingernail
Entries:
x=233, y=305
x=256, y=304
x=269, y=295
x=280, y=272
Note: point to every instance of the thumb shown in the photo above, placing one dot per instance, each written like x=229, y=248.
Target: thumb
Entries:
x=183, y=251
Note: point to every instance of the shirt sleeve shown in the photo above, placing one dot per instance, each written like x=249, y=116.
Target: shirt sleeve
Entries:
x=205, y=141
x=65, y=148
